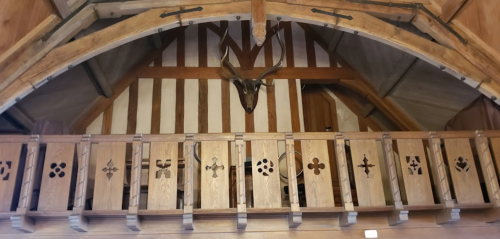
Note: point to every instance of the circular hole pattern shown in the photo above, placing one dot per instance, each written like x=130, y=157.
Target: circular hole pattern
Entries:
x=57, y=170
x=260, y=170
x=52, y=174
x=265, y=160
x=271, y=170
x=265, y=166
x=53, y=165
x=62, y=174
x=63, y=165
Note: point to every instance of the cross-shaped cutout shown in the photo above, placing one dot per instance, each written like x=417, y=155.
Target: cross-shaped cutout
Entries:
x=316, y=166
x=414, y=168
x=110, y=169
x=366, y=166
x=163, y=168
x=214, y=167
x=5, y=170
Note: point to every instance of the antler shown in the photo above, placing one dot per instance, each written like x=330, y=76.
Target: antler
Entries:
x=278, y=65
x=223, y=60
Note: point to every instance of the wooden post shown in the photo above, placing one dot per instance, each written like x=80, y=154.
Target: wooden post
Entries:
x=348, y=217
x=187, y=217
x=259, y=21
x=399, y=215
x=133, y=219
x=295, y=216
x=77, y=221
x=449, y=212
x=240, y=181
x=490, y=177
x=21, y=221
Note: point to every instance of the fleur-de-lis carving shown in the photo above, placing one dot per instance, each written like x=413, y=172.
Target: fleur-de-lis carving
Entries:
x=110, y=169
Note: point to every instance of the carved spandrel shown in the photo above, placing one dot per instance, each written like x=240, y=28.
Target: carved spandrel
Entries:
x=163, y=168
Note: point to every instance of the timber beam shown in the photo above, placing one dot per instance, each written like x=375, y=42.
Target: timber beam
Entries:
x=259, y=21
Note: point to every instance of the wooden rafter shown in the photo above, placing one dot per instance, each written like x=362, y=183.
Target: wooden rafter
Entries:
x=363, y=24
x=259, y=21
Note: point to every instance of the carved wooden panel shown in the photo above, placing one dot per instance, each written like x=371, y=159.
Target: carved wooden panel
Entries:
x=214, y=175
x=110, y=171
x=415, y=172
x=495, y=146
x=366, y=166
x=265, y=173
x=463, y=171
x=317, y=175
x=9, y=162
x=56, y=177
x=162, y=193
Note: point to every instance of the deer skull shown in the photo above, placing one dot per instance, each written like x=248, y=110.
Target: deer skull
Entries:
x=248, y=89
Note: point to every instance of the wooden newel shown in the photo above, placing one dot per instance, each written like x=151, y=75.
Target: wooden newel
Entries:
x=449, y=212
x=133, y=219
x=295, y=216
x=348, y=217
x=399, y=215
x=240, y=184
x=187, y=217
x=77, y=221
x=490, y=177
x=21, y=221
x=259, y=21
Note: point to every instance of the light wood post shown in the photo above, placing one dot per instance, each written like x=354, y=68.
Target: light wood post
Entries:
x=21, y=221
x=399, y=215
x=449, y=212
x=133, y=219
x=490, y=177
x=77, y=221
x=259, y=21
x=295, y=216
x=348, y=217
x=187, y=217
x=240, y=183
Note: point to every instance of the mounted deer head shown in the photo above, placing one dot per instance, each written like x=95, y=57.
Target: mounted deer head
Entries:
x=248, y=89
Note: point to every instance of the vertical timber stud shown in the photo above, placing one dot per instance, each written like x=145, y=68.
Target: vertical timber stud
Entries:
x=133, y=219
x=348, y=217
x=295, y=216
x=449, y=212
x=21, y=221
x=77, y=221
x=240, y=184
x=399, y=215
x=259, y=21
x=187, y=217
x=490, y=177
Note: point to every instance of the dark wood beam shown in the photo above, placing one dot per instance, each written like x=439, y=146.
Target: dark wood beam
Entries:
x=156, y=40
x=335, y=40
x=401, y=69
x=310, y=74
x=97, y=77
x=21, y=118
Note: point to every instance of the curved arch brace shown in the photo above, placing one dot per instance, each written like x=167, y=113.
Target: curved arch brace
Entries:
x=150, y=22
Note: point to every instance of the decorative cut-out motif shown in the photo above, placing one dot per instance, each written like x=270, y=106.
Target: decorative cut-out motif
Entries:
x=57, y=170
x=366, y=166
x=265, y=166
x=462, y=165
x=214, y=167
x=414, y=165
x=163, y=168
x=316, y=166
x=110, y=169
x=5, y=169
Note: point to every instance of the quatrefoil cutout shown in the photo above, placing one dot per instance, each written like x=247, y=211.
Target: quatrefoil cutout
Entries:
x=265, y=167
x=57, y=170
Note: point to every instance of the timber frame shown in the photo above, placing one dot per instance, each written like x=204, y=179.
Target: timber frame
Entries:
x=40, y=60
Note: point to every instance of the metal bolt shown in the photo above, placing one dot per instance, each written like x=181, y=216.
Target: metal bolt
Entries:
x=356, y=32
x=326, y=24
x=160, y=30
x=493, y=98
x=238, y=18
x=442, y=68
x=17, y=99
x=49, y=78
x=278, y=18
x=462, y=78
x=190, y=22
x=70, y=66
x=112, y=13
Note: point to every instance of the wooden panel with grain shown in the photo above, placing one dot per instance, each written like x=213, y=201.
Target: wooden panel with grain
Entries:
x=415, y=172
x=495, y=146
x=317, y=175
x=162, y=193
x=463, y=171
x=265, y=174
x=214, y=175
x=110, y=171
x=367, y=174
x=9, y=162
x=56, y=177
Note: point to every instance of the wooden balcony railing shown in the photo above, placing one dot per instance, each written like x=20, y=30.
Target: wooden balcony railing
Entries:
x=81, y=177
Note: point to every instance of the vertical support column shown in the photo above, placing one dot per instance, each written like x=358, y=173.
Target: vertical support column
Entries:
x=133, y=219
x=77, y=221
x=348, y=217
x=490, y=177
x=449, y=212
x=399, y=215
x=295, y=216
x=21, y=221
x=240, y=181
x=187, y=217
